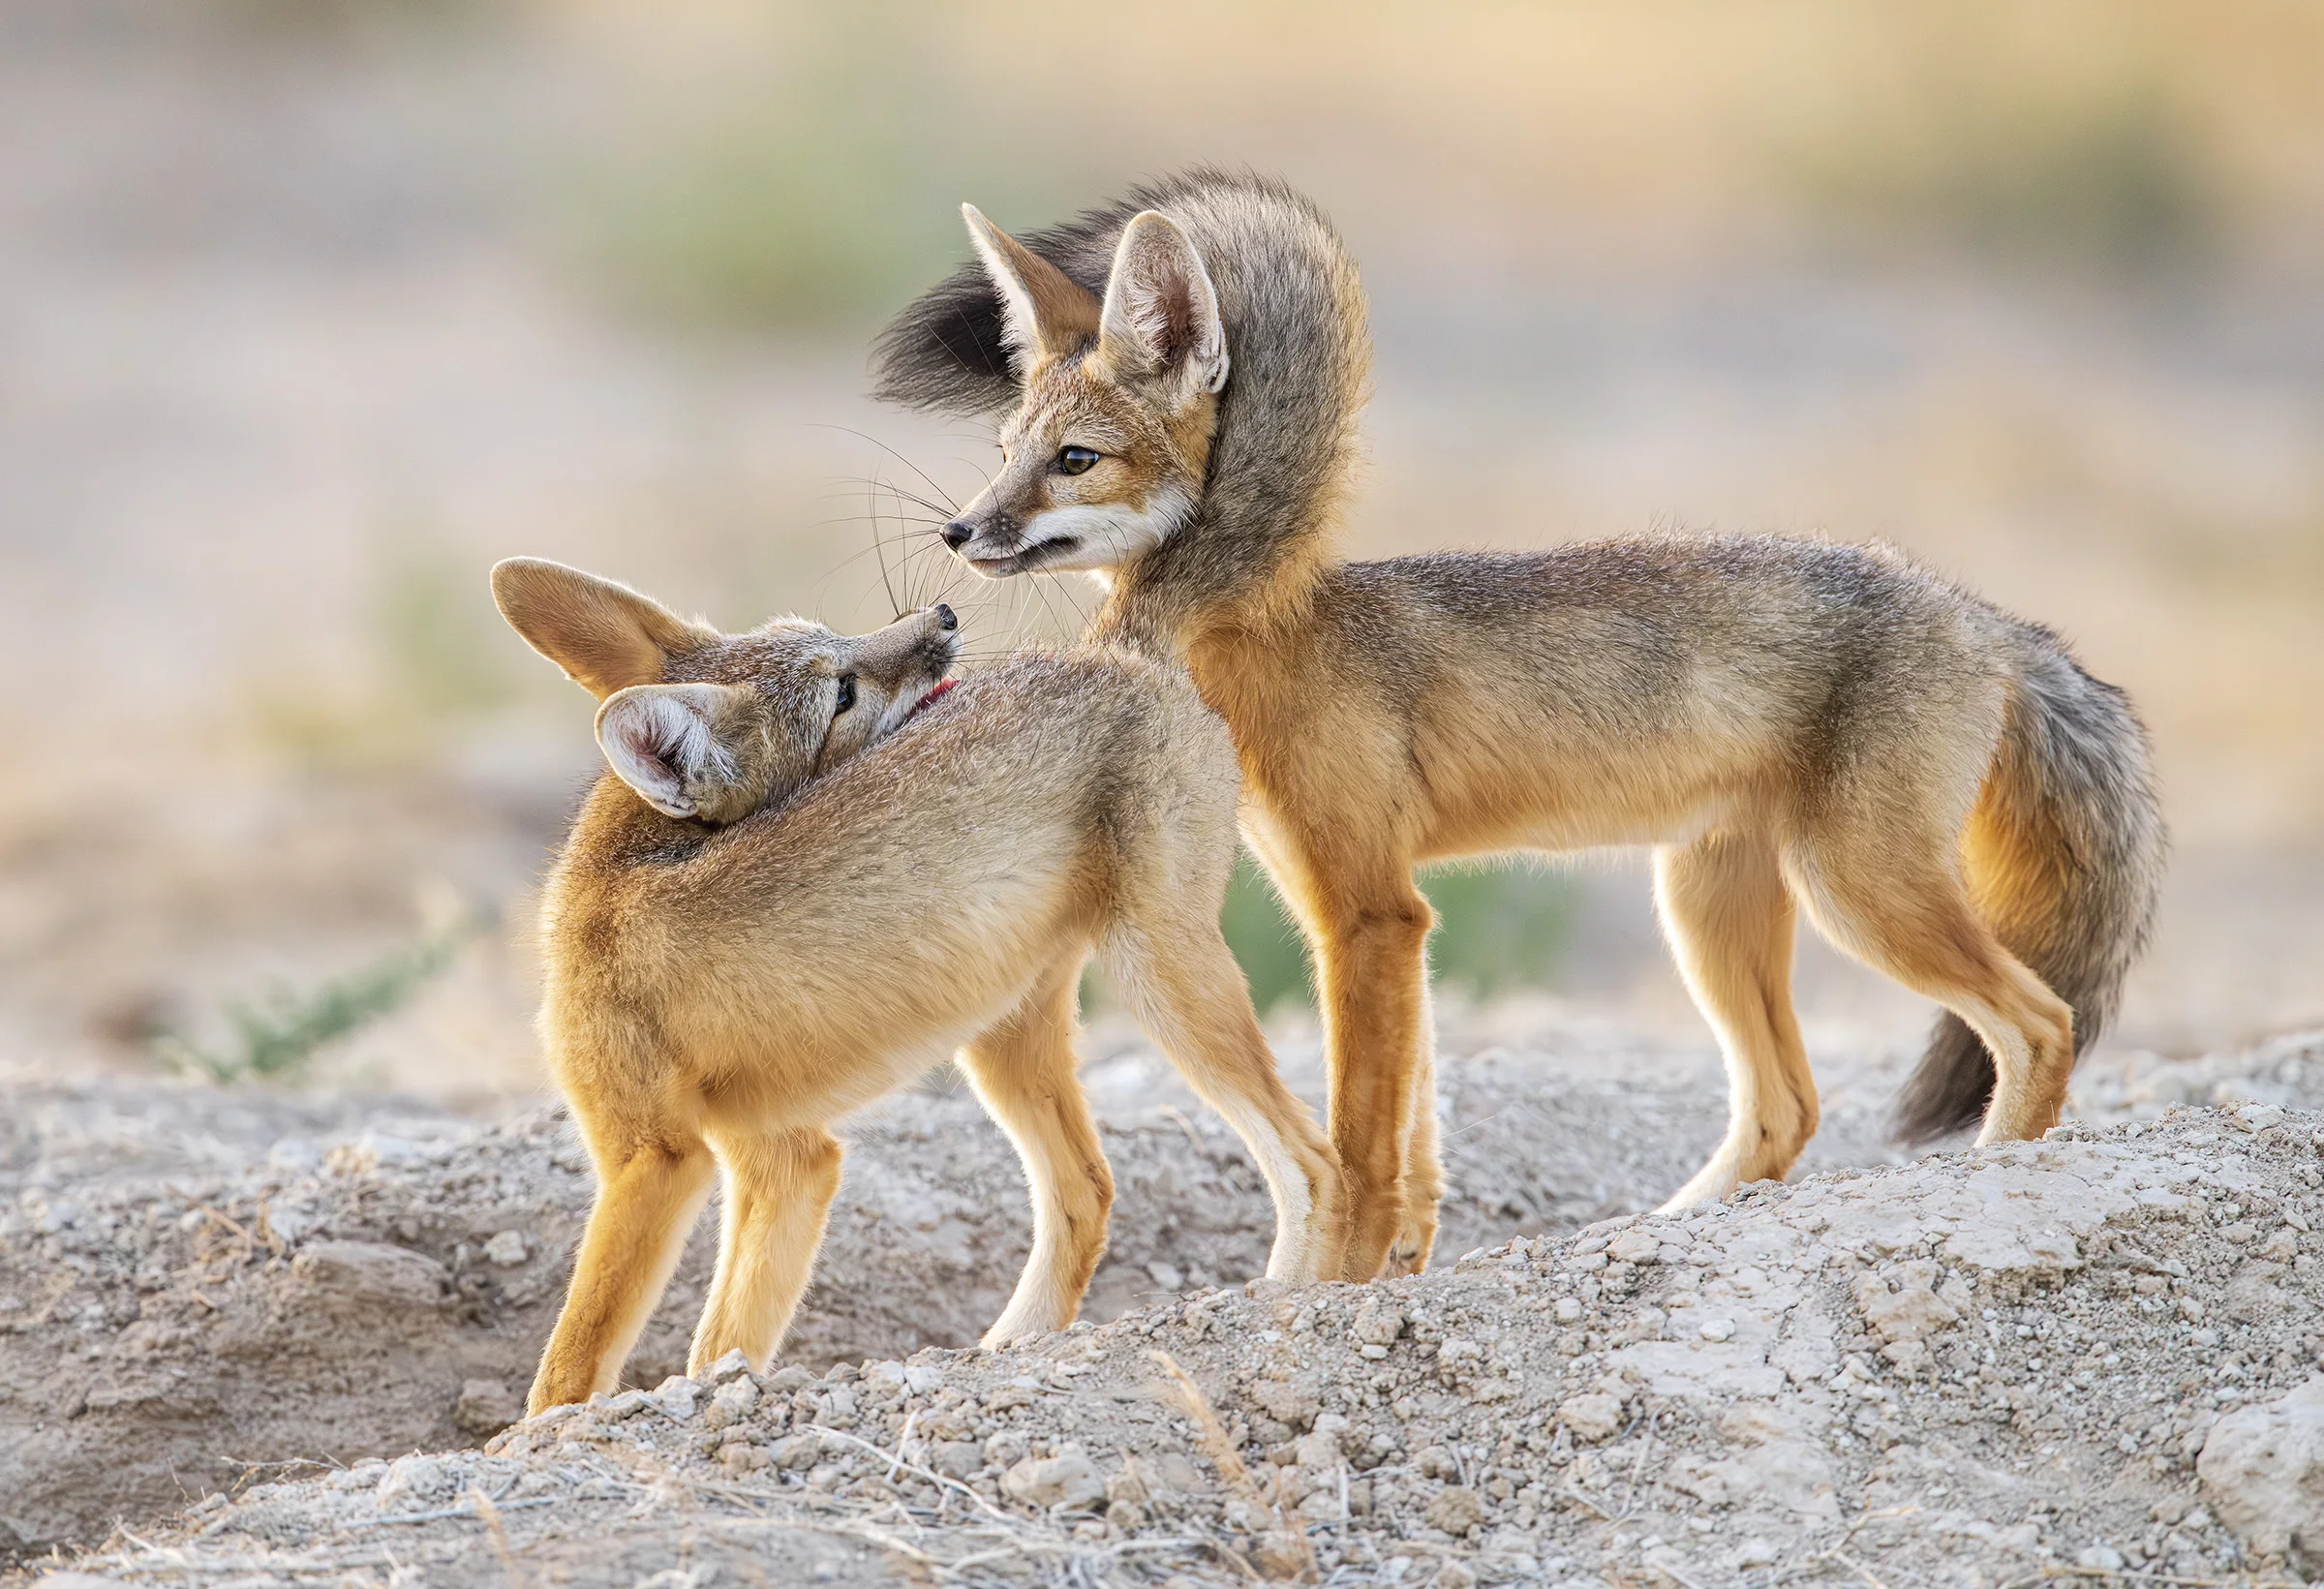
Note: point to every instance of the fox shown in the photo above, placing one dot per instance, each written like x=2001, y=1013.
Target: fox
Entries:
x=815, y=866
x=1791, y=725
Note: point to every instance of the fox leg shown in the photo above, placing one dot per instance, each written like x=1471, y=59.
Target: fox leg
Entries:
x=1022, y=1069
x=652, y=1180
x=778, y=1190
x=1729, y=919
x=1371, y=959
x=1900, y=907
x=1188, y=992
x=1423, y=1172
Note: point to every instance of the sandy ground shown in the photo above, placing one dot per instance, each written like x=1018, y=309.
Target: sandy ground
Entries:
x=205, y=1291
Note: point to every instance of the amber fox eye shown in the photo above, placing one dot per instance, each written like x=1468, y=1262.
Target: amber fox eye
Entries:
x=846, y=693
x=1077, y=460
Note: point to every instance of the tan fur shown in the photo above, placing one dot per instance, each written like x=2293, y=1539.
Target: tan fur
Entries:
x=881, y=886
x=1791, y=725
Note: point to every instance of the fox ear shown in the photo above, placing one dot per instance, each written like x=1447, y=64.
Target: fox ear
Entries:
x=663, y=740
x=604, y=635
x=1044, y=312
x=1161, y=312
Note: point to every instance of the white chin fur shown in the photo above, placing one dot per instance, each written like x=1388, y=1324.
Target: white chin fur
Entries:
x=1104, y=538
x=901, y=708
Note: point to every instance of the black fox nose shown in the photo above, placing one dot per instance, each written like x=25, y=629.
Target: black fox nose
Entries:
x=944, y=617
x=957, y=534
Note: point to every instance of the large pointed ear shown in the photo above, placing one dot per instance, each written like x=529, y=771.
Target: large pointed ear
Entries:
x=604, y=635
x=1161, y=315
x=1044, y=312
x=671, y=742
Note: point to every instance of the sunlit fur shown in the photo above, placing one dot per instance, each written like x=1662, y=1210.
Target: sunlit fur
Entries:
x=1133, y=378
x=1793, y=726
x=883, y=889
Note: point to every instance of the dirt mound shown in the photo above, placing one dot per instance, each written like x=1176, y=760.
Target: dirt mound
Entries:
x=195, y=1282
x=2079, y=1354
x=197, y=1285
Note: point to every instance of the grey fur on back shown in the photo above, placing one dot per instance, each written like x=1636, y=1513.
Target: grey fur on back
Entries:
x=1299, y=368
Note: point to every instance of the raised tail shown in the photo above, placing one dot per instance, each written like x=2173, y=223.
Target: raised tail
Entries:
x=2063, y=855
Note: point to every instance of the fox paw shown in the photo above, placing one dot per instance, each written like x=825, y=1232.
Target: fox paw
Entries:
x=1408, y=1253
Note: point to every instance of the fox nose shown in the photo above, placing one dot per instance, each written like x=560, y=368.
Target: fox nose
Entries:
x=956, y=533
x=945, y=619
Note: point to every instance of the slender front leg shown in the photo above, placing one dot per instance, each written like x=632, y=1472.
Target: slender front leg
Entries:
x=651, y=1184
x=778, y=1190
x=1022, y=1069
x=1371, y=954
x=1423, y=1172
x=1188, y=993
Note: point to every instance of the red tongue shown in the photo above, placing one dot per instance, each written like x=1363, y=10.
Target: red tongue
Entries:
x=930, y=699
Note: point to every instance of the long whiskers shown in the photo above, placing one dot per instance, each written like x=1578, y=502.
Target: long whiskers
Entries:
x=950, y=508
x=904, y=519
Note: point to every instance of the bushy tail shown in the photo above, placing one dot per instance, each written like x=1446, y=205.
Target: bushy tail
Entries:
x=2065, y=855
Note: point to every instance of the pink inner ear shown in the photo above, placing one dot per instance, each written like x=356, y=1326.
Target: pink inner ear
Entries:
x=641, y=739
x=640, y=733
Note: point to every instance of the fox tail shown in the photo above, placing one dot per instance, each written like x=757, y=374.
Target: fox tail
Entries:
x=2064, y=854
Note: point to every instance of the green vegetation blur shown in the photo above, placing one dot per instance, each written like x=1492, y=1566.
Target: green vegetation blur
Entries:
x=1498, y=929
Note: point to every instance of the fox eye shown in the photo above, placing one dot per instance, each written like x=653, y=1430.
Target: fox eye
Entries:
x=846, y=693
x=1077, y=460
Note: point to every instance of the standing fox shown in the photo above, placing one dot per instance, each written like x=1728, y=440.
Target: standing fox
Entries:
x=816, y=869
x=1793, y=725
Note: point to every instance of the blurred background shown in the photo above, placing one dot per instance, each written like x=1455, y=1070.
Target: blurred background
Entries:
x=311, y=309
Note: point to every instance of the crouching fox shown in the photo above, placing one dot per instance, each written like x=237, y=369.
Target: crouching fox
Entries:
x=815, y=867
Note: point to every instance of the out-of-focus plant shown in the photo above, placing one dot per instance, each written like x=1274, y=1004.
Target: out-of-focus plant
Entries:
x=817, y=199
x=2110, y=179
x=439, y=654
x=1499, y=928
x=279, y=1035
x=814, y=187
x=445, y=648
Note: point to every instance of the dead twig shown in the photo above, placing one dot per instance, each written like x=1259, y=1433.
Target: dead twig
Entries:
x=444, y=1513
x=938, y=1479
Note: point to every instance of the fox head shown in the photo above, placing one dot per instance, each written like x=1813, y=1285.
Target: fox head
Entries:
x=712, y=727
x=1104, y=457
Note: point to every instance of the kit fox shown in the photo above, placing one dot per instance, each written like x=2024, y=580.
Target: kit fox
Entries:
x=816, y=868
x=1791, y=724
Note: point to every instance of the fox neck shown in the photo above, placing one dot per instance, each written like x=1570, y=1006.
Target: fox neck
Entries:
x=616, y=831
x=1209, y=577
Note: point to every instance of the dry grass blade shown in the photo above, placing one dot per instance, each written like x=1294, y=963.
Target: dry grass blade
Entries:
x=501, y=1548
x=1295, y=1558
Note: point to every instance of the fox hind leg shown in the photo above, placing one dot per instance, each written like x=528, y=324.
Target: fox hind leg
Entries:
x=1189, y=993
x=778, y=1190
x=1729, y=921
x=1899, y=906
x=653, y=1179
x=1022, y=1070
